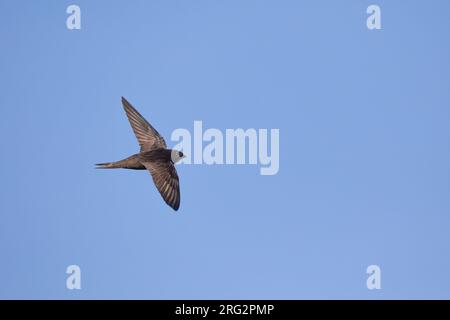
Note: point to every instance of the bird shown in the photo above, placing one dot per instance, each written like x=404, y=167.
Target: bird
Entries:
x=153, y=156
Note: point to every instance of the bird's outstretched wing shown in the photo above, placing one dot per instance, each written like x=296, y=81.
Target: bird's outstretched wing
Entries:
x=166, y=180
x=148, y=137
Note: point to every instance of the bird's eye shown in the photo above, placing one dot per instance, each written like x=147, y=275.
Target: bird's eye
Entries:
x=180, y=154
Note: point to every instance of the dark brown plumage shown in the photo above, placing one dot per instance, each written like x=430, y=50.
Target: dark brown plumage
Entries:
x=153, y=156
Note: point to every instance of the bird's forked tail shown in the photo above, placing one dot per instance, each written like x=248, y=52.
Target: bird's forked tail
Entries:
x=106, y=165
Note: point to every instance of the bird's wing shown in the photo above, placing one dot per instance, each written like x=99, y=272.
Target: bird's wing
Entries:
x=166, y=180
x=148, y=137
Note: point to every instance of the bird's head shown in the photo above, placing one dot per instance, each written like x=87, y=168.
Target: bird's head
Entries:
x=177, y=156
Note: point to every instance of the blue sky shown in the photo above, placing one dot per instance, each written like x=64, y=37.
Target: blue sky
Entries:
x=364, y=149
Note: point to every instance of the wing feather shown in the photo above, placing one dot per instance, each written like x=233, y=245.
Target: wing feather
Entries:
x=147, y=136
x=166, y=180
